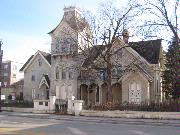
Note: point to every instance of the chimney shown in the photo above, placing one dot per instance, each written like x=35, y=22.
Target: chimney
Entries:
x=125, y=35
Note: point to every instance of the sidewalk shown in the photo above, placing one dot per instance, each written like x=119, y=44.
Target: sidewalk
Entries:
x=132, y=114
x=69, y=118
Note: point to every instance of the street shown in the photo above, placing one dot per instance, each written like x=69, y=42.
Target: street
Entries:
x=34, y=124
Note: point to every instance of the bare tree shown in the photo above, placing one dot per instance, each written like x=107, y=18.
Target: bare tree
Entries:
x=106, y=26
x=96, y=36
x=160, y=19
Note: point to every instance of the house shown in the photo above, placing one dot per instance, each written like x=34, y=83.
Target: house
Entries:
x=10, y=73
x=64, y=73
x=37, y=71
x=15, y=91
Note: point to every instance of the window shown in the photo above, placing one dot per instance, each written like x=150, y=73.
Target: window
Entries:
x=57, y=47
x=5, y=84
x=39, y=62
x=5, y=74
x=57, y=73
x=5, y=66
x=57, y=92
x=135, y=92
x=70, y=75
x=63, y=74
x=102, y=75
x=46, y=103
x=63, y=47
x=33, y=93
x=40, y=103
x=33, y=78
x=63, y=94
x=14, y=75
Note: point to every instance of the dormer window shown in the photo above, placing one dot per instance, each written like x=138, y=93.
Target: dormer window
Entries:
x=33, y=78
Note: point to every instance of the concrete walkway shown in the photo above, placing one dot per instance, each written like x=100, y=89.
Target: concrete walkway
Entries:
x=154, y=122
x=132, y=114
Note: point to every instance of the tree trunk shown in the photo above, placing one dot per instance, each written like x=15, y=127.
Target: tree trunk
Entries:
x=109, y=80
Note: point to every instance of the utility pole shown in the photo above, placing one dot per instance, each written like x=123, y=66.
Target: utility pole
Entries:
x=1, y=55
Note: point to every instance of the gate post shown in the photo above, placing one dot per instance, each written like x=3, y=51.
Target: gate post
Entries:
x=70, y=106
x=78, y=106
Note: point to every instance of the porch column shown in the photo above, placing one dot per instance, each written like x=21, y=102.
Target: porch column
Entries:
x=149, y=93
x=100, y=94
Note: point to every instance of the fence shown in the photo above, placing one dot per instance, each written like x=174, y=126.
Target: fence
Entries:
x=169, y=106
x=20, y=104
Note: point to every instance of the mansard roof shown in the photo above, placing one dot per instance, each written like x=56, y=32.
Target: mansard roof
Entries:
x=150, y=50
x=46, y=56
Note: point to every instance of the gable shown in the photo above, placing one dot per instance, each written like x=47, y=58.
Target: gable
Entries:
x=129, y=54
x=44, y=80
x=33, y=61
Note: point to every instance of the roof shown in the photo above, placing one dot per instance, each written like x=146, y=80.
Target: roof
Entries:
x=26, y=63
x=93, y=54
x=149, y=50
x=18, y=83
x=47, y=57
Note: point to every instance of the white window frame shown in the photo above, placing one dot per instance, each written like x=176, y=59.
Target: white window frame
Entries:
x=57, y=92
x=63, y=93
x=135, y=91
x=33, y=93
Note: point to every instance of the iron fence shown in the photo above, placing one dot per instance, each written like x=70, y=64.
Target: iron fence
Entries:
x=170, y=106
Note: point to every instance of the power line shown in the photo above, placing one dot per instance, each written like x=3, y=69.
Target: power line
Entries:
x=12, y=61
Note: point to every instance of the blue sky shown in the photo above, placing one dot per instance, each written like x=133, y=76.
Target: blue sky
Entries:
x=24, y=24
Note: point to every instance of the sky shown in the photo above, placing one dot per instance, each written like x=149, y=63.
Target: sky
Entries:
x=24, y=24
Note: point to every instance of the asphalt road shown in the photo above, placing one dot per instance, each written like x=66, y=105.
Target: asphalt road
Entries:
x=18, y=125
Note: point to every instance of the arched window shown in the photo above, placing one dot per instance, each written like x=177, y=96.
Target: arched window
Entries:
x=39, y=62
x=63, y=73
x=63, y=94
x=70, y=72
x=57, y=73
x=135, y=92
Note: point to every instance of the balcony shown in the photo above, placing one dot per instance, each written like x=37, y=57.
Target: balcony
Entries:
x=57, y=52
